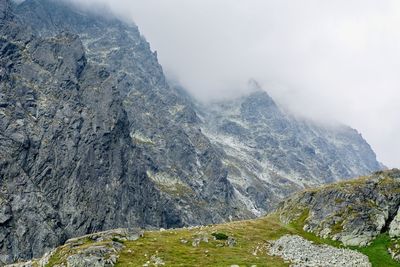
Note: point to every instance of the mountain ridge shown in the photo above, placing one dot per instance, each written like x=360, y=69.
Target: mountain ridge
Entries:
x=93, y=137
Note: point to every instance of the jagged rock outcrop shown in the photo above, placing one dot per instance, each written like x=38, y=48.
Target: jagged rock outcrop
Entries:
x=353, y=212
x=92, y=137
x=94, y=250
x=394, y=228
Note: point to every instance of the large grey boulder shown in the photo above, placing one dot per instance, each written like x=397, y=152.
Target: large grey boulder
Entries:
x=94, y=250
x=394, y=228
x=353, y=212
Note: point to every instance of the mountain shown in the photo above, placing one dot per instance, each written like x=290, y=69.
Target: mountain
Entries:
x=311, y=228
x=92, y=137
x=270, y=152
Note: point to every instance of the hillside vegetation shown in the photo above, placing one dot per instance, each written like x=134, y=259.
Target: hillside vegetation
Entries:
x=242, y=243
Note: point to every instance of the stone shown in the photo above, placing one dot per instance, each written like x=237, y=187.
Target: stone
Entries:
x=196, y=242
x=5, y=214
x=157, y=261
x=394, y=227
x=356, y=240
x=230, y=242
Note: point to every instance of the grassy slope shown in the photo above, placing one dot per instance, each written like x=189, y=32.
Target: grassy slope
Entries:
x=249, y=234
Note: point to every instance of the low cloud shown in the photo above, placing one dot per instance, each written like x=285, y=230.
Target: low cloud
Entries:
x=322, y=59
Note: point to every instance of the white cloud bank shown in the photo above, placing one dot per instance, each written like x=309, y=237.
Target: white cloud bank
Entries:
x=325, y=59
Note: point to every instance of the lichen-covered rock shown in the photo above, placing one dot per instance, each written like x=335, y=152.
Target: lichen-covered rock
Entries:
x=122, y=234
x=95, y=256
x=353, y=212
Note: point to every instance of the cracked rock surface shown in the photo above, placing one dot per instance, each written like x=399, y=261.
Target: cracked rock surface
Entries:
x=353, y=212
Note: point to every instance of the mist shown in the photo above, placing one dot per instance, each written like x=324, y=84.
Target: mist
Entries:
x=327, y=60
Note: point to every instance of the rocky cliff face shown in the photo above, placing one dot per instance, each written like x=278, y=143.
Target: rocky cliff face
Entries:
x=92, y=137
x=353, y=212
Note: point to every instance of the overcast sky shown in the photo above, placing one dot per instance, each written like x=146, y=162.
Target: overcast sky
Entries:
x=334, y=60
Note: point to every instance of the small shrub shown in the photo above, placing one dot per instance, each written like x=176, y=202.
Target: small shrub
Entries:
x=116, y=239
x=220, y=236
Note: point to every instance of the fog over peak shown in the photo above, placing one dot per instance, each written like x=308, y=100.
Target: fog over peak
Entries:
x=328, y=60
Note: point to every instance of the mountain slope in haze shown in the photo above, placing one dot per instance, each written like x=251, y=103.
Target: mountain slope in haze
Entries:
x=92, y=137
x=271, y=153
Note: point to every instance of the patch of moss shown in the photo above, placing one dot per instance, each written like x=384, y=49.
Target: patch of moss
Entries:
x=337, y=228
x=301, y=220
x=176, y=190
x=339, y=200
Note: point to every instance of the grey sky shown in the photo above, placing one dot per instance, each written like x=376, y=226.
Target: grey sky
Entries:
x=325, y=59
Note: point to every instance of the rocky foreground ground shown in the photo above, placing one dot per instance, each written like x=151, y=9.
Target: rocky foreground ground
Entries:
x=303, y=253
x=104, y=249
x=287, y=237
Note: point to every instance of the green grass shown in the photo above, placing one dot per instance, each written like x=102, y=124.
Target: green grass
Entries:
x=168, y=246
x=175, y=248
x=377, y=252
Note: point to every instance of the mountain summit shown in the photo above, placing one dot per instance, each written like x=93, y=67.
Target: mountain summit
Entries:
x=92, y=137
